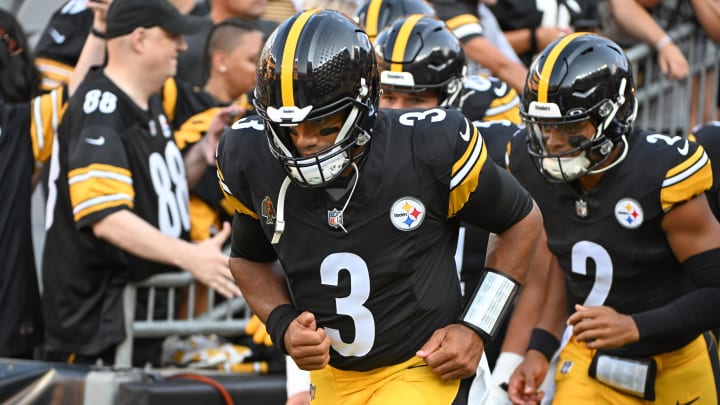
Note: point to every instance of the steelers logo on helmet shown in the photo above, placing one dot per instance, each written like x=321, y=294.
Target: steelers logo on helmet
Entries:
x=629, y=213
x=577, y=79
x=316, y=64
x=407, y=213
x=418, y=53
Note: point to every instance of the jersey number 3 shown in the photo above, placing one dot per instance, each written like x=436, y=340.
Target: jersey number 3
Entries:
x=352, y=305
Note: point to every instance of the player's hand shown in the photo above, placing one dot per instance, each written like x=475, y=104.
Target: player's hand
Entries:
x=527, y=377
x=307, y=344
x=453, y=352
x=256, y=328
x=206, y=262
x=602, y=327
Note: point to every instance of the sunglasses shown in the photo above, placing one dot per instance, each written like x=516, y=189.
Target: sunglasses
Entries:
x=10, y=42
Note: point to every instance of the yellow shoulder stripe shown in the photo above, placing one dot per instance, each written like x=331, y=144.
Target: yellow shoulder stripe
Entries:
x=466, y=172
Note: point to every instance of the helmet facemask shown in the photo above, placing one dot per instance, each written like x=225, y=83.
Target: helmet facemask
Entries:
x=588, y=154
x=322, y=167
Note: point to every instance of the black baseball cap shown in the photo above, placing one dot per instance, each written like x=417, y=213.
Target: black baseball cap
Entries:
x=125, y=15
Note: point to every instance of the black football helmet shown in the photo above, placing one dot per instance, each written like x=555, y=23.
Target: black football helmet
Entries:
x=418, y=53
x=315, y=64
x=579, y=77
x=375, y=15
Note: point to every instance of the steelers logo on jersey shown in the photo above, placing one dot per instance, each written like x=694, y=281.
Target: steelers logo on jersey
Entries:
x=629, y=213
x=407, y=213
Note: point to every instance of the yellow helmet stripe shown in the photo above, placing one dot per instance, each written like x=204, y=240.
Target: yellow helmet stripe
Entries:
x=549, y=64
x=287, y=68
x=402, y=40
x=371, y=22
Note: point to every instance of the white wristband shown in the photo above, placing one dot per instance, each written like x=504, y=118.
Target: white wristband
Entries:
x=665, y=40
x=505, y=364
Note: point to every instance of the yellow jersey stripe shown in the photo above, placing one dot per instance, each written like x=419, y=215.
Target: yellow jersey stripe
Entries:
x=505, y=108
x=100, y=168
x=53, y=73
x=371, y=22
x=401, y=41
x=46, y=112
x=692, y=160
x=82, y=193
x=466, y=173
x=693, y=180
x=461, y=20
x=287, y=68
x=79, y=214
x=549, y=65
x=231, y=200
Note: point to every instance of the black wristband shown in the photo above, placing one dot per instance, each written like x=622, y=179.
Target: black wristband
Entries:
x=94, y=31
x=277, y=323
x=544, y=342
x=533, y=41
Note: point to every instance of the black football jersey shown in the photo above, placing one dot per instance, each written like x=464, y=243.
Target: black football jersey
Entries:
x=609, y=240
x=394, y=271
x=112, y=156
x=487, y=98
x=461, y=17
x=708, y=135
x=26, y=140
x=61, y=42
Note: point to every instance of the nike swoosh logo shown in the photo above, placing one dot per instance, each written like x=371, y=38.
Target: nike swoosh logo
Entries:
x=688, y=403
x=96, y=141
x=57, y=36
x=684, y=150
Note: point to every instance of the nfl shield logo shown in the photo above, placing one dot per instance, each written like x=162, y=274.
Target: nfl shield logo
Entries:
x=335, y=218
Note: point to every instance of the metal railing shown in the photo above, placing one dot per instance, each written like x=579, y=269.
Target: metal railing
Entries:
x=666, y=105
x=224, y=317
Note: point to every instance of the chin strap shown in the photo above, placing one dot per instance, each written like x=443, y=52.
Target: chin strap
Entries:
x=342, y=211
x=280, y=218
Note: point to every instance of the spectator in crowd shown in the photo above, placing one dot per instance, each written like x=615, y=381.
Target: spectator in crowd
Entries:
x=531, y=26
x=118, y=190
x=636, y=244
x=337, y=150
x=232, y=52
x=629, y=22
x=61, y=41
x=28, y=124
x=191, y=64
x=462, y=18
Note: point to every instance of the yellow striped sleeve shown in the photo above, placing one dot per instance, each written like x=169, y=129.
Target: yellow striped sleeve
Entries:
x=459, y=21
x=46, y=111
x=53, y=73
x=231, y=199
x=688, y=179
x=192, y=130
x=99, y=186
x=505, y=108
x=466, y=172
